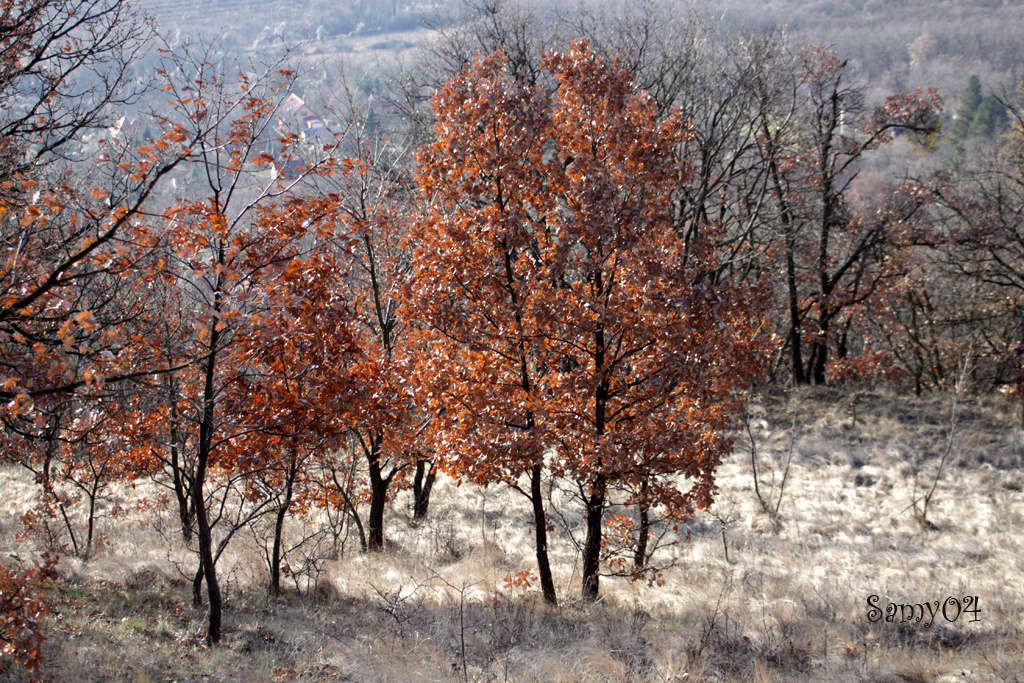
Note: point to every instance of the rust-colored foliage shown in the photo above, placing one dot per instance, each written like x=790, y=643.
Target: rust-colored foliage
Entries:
x=251, y=337
x=21, y=608
x=384, y=428
x=566, y=330
x=295, y=391
x=71, y=234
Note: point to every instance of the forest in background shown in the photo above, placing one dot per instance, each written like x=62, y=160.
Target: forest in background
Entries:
x=518, y=258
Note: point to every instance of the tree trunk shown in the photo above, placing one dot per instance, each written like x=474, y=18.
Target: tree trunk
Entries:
x=206, y=429
x=186, y=514
x=795, y=341
x=52, y=446
x=819, y=353
x=91, y=522
x=643, y=532
x=830, y=219
x=422, y=483
x=547, y=583
x=378, y=495
x=592, y=546
x=375, y=520
x=209, y=571
x=197, y=587
x=182, y=488
x=595, y=497
x=790, y=228
x=275, y=557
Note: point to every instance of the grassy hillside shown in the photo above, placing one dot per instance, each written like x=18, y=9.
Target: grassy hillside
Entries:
x=747, y=595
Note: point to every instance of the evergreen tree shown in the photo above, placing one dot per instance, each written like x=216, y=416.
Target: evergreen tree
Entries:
x=970, y=100
x=990, y=119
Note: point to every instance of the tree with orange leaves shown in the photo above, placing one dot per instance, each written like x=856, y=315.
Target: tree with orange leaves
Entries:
x=71, y=212
x=240, y=261
x=296, y=388
x=566, y=329
x=384, y=424
x=72, y=226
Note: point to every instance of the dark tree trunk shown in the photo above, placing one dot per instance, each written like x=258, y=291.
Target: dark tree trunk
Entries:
x=282, y=512
x=795, y=341
x=186, y=514
x=422, y=483
x=595, y=496
x=819, y=353
x=643, y=533
x=203, y=530
x=592, y=546
x=843, y=347
x=378, y=495
x=52, y=434
x=547, y=583
x=197, y=587
x=536, y=497
x=91, y=522
x=182, y=487
x=209, y=573
x=275, y=556
x=375, y=520
x=830, y=219
x=790, y=228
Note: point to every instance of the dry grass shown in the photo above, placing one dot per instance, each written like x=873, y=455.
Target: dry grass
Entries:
x=789, y=603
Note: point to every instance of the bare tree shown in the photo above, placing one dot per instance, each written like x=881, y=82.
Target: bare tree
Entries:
x=836, y=258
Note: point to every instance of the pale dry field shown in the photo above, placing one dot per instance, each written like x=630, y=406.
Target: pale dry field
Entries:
x=746, y=597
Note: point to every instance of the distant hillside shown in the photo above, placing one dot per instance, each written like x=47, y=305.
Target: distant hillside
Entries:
x=893, y=44
x=306, y=20
x=899, y=44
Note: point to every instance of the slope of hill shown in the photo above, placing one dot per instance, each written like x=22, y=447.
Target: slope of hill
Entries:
x=801, y=595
